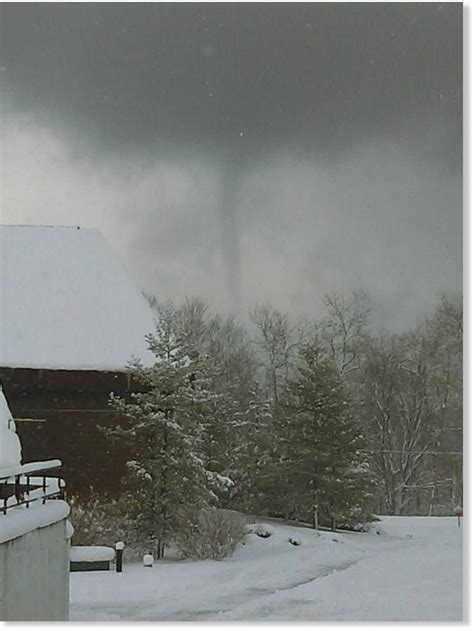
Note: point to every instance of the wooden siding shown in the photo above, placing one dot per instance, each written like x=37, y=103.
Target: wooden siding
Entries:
x=73, y=405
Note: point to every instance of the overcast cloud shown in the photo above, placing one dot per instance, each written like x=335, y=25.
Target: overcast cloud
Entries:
x=245, y=152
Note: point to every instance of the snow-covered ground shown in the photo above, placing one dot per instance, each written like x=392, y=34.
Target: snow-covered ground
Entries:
x=411, y=571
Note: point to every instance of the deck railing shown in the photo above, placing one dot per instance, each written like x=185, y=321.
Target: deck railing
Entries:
x=21, y=485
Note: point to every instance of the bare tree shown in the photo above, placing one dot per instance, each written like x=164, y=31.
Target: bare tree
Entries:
x=397, y=409
x=278, y=341
x=444, y=337
x=344, y=330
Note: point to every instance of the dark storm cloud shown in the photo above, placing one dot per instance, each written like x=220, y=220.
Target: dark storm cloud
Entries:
x=317, y=76
x=245, y=152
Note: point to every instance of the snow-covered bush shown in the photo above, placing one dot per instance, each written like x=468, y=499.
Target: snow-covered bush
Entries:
x=376, y=529
x=356, y=527
x=209, y=533
x=294, y=541
x=261, y=530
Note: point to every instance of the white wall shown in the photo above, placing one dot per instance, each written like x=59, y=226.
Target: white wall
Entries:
x=34, y=575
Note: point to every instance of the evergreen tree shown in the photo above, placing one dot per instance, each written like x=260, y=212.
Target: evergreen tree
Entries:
x=250, y=458
x=325, y=468
x=165, y=431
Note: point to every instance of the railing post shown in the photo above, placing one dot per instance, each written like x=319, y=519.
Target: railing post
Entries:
x=27, y=492
x=17, y=488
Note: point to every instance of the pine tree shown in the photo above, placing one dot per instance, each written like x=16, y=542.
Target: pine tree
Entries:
x=250, y=458
x=165, y=430
x=324, y=465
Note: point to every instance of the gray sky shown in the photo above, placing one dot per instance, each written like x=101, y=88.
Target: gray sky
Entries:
x=245, y=152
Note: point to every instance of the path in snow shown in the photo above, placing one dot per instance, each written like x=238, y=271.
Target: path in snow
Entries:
x=412, y=571
x=249, y=595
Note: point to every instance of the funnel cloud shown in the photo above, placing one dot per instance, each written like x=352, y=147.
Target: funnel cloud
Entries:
x=245, y=152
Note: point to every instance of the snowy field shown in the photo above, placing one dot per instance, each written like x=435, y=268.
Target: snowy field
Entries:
x=411, y=571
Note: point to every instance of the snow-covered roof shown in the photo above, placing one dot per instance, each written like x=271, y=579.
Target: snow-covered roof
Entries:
x=66, y=302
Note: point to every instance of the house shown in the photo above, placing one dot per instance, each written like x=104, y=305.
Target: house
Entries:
x=71, y=319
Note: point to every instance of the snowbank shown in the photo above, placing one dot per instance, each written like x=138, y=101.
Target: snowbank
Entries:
x=67, y=302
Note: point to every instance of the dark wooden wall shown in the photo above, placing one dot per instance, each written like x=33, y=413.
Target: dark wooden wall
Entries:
x=73, y=405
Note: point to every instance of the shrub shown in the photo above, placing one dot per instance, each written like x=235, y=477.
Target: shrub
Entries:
x=209, y=533
x=101, y=521
x=261, y=530
x=357, y=521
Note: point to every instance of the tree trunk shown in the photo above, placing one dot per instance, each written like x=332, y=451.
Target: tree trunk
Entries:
x=315, y=518
x=430, y=510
